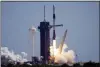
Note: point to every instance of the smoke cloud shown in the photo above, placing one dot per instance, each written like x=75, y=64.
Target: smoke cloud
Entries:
x=63, y=57
x=9, y=55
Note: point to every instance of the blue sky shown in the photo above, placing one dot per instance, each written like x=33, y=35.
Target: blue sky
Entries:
x=80, y=18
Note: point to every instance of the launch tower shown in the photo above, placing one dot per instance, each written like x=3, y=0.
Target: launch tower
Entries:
x=45, y=36
x=44, y=39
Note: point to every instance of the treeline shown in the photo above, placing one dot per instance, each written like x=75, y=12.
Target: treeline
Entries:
x=87, y=64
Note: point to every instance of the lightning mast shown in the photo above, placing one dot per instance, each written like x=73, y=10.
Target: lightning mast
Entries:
x=44, y=13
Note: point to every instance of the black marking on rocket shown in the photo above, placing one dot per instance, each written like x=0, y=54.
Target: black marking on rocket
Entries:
x=54, y=35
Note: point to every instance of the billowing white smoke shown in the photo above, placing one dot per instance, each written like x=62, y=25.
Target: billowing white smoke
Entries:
x=7, y=55
x=64, y=56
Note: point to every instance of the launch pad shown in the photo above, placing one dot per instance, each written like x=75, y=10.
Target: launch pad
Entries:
x=49, y=53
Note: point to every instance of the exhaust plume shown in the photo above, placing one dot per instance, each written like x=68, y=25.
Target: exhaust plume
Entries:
x=64, y=56
x=59, y=55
